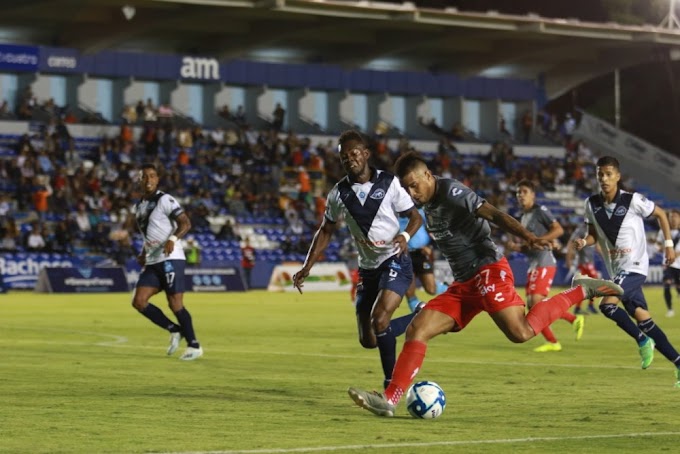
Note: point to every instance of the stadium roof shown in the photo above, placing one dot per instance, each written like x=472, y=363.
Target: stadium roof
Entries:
x=352, y=34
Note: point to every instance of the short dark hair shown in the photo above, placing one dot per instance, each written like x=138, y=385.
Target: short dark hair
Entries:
x=608, y=161
x=148, y=165
x=527, y=184
x=407, y=162
x=349, y=135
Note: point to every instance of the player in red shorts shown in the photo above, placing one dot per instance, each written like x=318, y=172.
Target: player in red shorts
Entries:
x=542, y=264
x=585, y=264
x=458, y=220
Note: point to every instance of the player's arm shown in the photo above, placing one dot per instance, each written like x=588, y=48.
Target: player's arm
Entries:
x=415, y=220
x=669, y=247
x=589, y=240
x=511, y=225
x=555, y=231
x=183, y=227
x=319, y=244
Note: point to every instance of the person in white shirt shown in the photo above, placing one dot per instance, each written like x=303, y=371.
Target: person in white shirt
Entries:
x=163, y=222
x=370, y=201
x=615, y=221
x=671, y=273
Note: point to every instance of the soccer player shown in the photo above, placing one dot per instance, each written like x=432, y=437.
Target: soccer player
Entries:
x=370, y=202
x=615, y=221
x=671, y=273
x=162, y=222
x=458, y=220
x=582, y=261
x=422, y=257
x=538, y=220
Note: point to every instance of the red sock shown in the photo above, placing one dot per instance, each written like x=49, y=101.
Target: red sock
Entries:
x=568, y=316
x=549, y=335
x=547, y=311
x=407, y=366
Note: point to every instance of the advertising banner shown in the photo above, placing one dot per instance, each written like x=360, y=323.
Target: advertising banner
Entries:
x=227, y=279
x=82, y=280
x=18, y=58
x=20, y=270
x=324, y=277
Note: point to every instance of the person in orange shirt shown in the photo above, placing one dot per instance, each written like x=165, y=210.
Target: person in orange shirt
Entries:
x=305, y=184
x=40, y=196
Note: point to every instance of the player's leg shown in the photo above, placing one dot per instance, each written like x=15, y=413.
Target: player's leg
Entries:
x=411, y=298
x=395, y=279
x=667, y=283
x=636, y=306
x=147, y=286
x=435, y=318
x=174, y=286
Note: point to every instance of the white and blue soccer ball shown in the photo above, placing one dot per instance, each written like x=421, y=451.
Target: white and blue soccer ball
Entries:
x=425, y=400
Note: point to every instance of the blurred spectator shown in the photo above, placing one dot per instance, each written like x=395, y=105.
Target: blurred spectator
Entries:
x=278, y=116
x=192, y=251
x=247, y=262
x=527, y=125
x=35, y=240
x=227, y=232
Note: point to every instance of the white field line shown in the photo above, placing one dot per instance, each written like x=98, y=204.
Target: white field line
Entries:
x=434, y=444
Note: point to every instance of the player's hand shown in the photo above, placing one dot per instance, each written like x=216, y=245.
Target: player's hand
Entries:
x=670, y=256
x=168, y=247
x=141, y=259
x=401, y=243
x=539, y=244
x=299, y=278
x=579, y=243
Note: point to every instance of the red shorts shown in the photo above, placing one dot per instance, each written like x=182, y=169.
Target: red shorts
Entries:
x=589, y=270
x=491, y=290
x=540, y=280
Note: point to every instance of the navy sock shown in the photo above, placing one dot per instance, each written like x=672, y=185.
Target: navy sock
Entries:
x=667, y=296
x=184, y=319
x=398, y=325
x=387, y=345
x=157, y=316
x=614, y=312
x=662, y=343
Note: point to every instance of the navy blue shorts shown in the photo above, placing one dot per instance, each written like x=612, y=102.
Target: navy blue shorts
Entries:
x=395, y=273
x=167, y=276
x=671, y=275
x=632, y=291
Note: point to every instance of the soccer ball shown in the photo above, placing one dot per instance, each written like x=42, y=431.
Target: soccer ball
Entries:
x=425, y=400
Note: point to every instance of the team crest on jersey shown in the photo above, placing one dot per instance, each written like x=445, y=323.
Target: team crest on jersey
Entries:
x=362, y=194
x=620, y=211
x=378, y=194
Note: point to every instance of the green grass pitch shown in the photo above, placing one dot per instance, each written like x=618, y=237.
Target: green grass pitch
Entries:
x=87, y=374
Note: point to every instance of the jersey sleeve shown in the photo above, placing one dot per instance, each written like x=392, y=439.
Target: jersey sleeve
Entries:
x=170, y=206
x=546, y=216
x=588, y=213
x=461, y=196
x=401, y=202
x=642, y=205
x=332, y=212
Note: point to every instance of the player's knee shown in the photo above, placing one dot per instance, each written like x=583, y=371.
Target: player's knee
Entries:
x=139, y=304
x=380, y=322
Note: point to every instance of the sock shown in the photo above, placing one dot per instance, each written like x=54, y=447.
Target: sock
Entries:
x=667, y=296
x=662, y=344
x=184, y=319
x=543, y=313
x=578, y=305
x=387, y=345
x=591, y=303
x=614, y=312
x=413, y=302
x=441, y=288
x=398, y=325
x=568, y=316
x=549, y=335
x=407, y=367
x=157, y=316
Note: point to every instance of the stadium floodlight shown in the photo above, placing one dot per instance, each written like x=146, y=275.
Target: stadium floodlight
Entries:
x=671, y=21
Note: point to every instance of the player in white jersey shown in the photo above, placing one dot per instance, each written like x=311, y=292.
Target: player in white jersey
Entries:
x=615, y=221
x=671, y=273
x=370, y=202
x=162, y=222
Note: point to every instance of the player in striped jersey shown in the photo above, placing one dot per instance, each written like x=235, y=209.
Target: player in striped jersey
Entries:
x=615, y=221
x=163, y=222
x=370, y=201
